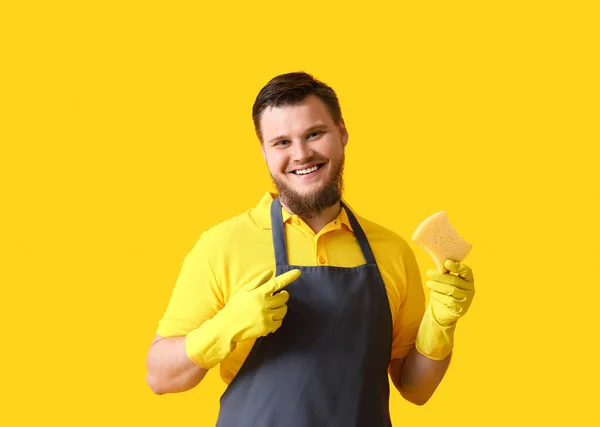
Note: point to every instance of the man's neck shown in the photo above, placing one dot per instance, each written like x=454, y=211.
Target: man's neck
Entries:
x=325, y=217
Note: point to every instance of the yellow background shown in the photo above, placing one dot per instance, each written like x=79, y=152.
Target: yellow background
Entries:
x=125, y=132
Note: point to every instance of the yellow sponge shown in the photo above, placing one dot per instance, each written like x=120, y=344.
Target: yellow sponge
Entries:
x=440, y=240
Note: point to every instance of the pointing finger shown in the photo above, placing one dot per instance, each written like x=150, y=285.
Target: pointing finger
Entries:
x=281, y=281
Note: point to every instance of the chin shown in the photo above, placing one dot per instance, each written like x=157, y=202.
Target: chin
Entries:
x=307, y=190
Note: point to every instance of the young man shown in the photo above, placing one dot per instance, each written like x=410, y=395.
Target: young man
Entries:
x=305, y=306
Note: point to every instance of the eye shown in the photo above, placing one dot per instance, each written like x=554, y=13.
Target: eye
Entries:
x=314, y=134
x=282, y=142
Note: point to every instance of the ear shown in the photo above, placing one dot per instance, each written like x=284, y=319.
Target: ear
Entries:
x=343, y=132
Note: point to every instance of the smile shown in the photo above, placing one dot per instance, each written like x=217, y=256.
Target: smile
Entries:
x=307, y=171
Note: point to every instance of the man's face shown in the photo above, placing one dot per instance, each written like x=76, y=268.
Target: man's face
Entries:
x=304, y=150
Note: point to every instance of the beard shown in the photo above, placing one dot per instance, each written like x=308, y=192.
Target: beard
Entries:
x=312, y=204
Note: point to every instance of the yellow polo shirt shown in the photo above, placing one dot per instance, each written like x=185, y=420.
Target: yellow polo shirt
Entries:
x=232, y=253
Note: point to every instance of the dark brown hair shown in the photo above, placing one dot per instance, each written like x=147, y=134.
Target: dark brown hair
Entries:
x=290, y=89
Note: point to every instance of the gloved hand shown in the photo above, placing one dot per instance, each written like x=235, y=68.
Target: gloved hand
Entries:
x=251, y=312
x=450, y=297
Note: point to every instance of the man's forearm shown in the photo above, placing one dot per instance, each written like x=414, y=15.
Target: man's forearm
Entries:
x=419, y=376
x=170, y=370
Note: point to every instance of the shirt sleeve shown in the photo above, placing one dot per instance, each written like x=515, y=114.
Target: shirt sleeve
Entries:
x=196, y=296
x=409, y=315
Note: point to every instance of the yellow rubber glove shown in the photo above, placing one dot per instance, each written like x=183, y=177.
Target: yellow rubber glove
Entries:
x=450, y=297
x=251, y=312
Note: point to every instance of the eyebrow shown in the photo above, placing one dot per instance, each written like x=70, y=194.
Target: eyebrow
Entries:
x=309, y=130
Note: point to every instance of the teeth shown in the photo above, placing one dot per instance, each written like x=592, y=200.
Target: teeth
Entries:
x=305, y=171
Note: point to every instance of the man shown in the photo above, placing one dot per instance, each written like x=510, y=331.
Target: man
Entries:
x=306, y=307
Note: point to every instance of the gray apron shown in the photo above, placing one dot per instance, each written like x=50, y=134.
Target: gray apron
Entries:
x=327, y=363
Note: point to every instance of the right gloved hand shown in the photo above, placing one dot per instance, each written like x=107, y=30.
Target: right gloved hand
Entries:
x=252, y=312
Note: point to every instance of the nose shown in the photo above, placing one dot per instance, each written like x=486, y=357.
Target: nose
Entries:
x=301, y=151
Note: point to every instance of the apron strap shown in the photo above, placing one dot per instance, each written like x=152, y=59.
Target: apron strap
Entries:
x=360, y=236
x=278, y=233
x=279, y=241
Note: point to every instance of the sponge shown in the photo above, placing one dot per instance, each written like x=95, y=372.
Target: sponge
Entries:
x=440, y=240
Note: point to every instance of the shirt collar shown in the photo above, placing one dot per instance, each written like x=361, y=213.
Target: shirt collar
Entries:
x=261, y=213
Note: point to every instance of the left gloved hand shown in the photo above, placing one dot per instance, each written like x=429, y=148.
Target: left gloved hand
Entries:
x=451, y=295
